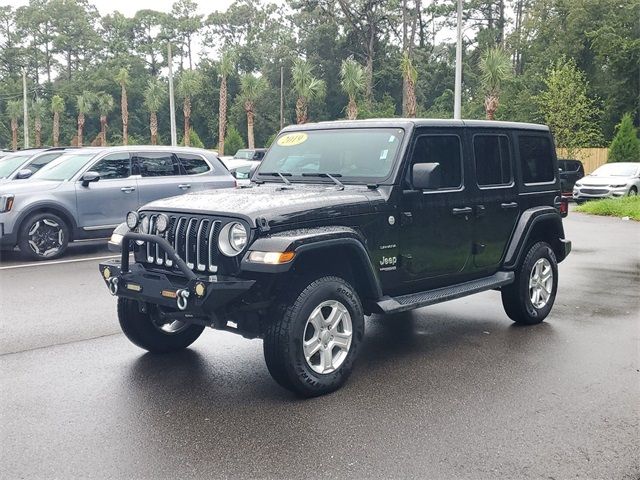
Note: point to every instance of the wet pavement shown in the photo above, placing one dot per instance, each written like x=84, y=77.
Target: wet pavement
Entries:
x=450, y=391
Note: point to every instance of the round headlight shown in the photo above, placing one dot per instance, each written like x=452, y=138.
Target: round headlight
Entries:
x=232, y=239
x=132, y=220
x=144, y=225
x=162, y=222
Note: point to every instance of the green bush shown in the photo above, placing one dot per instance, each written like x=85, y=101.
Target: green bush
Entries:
x=233, y=141
x=625, y=146
x=613, y=207
x=194, y=139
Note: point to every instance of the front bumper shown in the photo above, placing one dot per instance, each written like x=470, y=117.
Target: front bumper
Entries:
x=601, y=191
x=193, y=295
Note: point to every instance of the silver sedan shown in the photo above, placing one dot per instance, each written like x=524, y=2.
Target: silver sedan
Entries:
x=609, y=180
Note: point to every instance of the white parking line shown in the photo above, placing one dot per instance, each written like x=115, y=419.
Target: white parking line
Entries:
x=57, y=262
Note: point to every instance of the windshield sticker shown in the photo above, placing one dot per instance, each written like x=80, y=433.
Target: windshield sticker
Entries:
x=291, y=139
x=383, y=154
x=392, y=139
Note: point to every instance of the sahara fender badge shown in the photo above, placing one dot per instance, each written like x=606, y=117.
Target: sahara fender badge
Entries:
x=291, y=139
x=392, y=220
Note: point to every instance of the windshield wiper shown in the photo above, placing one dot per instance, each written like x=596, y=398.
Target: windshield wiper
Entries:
x=332, y=176
x=278, y=174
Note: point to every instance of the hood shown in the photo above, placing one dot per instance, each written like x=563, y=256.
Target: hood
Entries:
x=599, y=181
x=30, y=186
x=271, y=201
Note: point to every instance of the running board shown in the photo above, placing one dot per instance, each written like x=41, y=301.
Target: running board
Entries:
x=439, y=295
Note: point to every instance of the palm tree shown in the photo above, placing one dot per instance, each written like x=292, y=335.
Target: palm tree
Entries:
x=122, y=78
x=251, y=87
x=105, y=106
x=14, y=110
x=353, y=82
x=226, y=68
x=495, y=67
x=410, y=75
x=153, y=98
x=37, y=108
x=84, y=103
x=188, y=85
x=57, y=107
x=306, y=86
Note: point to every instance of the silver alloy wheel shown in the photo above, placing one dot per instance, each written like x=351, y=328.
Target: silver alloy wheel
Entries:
x=327, y=337
x=171, y=327
x=540, y=283
x=46, y=237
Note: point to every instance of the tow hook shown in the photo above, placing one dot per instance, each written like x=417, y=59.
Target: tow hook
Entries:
x=181, y=299
x=113, y=285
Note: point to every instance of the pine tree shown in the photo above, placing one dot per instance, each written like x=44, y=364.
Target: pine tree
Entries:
x=625, y=146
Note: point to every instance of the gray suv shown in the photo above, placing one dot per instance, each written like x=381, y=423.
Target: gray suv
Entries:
x=85, y=193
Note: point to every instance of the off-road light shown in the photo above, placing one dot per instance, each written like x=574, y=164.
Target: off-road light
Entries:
x=169, y=294
x=106, y=273
x=233, y=238
x=132, y=220
x=134, y=287
x=271, y=258
x=162, y=223
x=200, y=289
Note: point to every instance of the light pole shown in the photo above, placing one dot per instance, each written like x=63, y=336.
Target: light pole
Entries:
x=172, y=107
x=457, y=103
x=25, y=111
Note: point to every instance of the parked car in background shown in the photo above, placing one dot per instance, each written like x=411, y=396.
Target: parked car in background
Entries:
x=609, y=180
x=241, y=170
x=256, y=154
x=24, y=163
x=570, y=172
x=86, y=193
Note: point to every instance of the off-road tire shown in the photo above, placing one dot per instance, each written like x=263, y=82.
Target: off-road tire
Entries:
x=23, y=236
x=283, y=349
x=140, y=330
x=516, y=297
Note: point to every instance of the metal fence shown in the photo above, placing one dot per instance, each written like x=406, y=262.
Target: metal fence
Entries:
x=591, y=158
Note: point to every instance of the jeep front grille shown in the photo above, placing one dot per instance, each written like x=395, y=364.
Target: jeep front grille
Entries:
x=195, y=240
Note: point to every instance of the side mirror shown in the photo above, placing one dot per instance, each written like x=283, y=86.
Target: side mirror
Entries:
x=90, y=177
x=25, y=173
x=426, y=176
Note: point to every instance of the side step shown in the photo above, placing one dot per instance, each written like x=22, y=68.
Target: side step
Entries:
x=439, y=295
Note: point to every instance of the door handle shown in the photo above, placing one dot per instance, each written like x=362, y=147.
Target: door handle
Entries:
x=184, y=186
x=127, y=189
x=509, y=205
x=462, y=211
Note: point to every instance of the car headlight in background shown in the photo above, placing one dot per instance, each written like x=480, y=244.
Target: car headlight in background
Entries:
x=618, y=185
x=132, y=220
x=6, y=203
x=233, y=238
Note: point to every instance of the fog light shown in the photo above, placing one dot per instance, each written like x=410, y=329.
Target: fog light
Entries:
x=200, y=289
x=134, y=286
x=106, y=273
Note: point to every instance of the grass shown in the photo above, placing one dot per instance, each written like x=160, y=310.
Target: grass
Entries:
x=613, y=207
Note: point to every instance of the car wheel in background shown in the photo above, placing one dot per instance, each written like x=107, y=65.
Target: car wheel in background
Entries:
x=43, y=236
x=633, y=191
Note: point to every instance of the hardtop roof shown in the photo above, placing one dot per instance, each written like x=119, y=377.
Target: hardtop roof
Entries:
x=416, y=122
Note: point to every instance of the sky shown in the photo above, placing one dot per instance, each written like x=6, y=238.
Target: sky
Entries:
x=130, y=7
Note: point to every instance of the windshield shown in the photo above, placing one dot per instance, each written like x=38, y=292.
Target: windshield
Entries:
x=244, y=154
x=10, y=163
x=64, y=167
x=353, y=154
x=613, y=170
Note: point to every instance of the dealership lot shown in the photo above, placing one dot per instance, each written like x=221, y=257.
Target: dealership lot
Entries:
x=451, y=391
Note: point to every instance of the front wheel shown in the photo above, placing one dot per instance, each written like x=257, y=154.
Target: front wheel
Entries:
x=311, y=345
x=633, y=191
x=529, y=299
x=43, y=236
x=148, y=331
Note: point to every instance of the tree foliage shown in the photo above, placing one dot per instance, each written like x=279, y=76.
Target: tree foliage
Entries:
x=625, y=146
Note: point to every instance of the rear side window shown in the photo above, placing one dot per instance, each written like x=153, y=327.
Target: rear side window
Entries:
x=193, y=164
x=159, y=164
x=493, y=160
x=536, y=156
x=442, y=149
x=116, y=165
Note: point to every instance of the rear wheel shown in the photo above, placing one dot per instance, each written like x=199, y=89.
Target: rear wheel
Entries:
x=529, y=299
x=311, y=345
x=149, y=332
x=43, y=236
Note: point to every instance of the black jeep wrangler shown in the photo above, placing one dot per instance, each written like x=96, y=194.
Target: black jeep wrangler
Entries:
x=346, y=219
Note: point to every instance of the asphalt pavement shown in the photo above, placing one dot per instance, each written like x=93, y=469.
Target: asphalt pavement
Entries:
x=445, y=392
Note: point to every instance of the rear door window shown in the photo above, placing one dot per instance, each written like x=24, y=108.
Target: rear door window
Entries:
x=157, y=164
x=536, y=158
x=193, y=164
x=493, y=160
x=116, y=165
